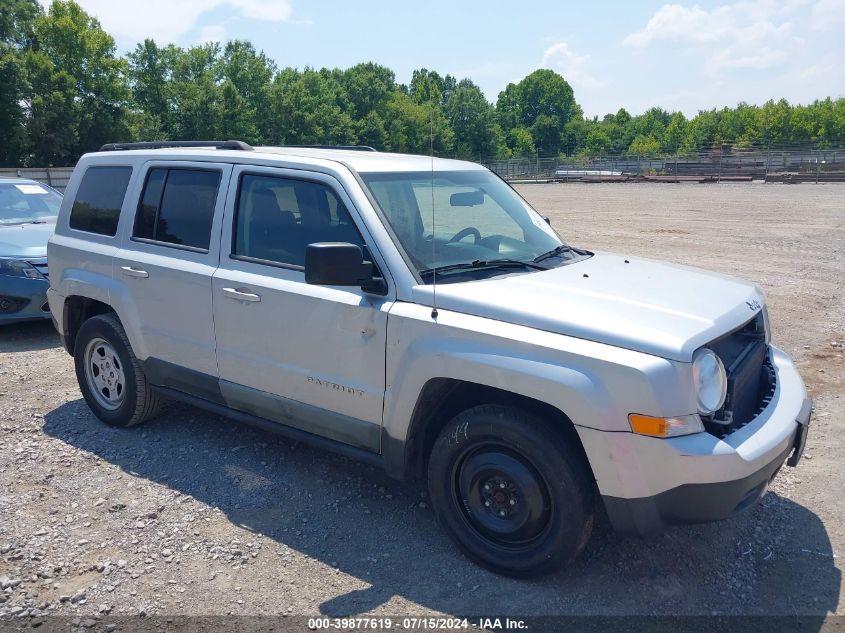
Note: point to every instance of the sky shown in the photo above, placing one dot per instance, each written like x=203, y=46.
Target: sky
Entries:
x=635, y=54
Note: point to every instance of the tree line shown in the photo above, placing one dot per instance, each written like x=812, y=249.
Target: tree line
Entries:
x=64, y=91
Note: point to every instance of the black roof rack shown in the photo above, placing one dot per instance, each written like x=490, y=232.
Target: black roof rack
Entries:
x=237, y=145
x=354, y=148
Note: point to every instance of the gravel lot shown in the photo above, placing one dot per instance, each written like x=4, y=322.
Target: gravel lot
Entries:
x=193, y=514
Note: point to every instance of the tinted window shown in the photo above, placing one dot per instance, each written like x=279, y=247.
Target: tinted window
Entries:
x=96, y=208
x=177, y=206
x=278, y=217
x=150, y=200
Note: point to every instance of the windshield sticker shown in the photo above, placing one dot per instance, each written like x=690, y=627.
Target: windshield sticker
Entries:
x=32, y=189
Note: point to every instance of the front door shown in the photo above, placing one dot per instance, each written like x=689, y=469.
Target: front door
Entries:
x=311, y=357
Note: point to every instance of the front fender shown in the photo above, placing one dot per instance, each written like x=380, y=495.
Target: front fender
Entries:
x=594, y=385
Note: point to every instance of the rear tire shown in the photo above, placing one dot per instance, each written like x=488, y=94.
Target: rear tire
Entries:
x=110, y=377
x=513, y=494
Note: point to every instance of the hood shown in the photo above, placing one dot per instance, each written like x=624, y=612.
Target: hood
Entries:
x=643, y=305
x=25, y=240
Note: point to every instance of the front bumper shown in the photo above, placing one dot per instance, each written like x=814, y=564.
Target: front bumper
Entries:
x=647, y=483
x=23, y=299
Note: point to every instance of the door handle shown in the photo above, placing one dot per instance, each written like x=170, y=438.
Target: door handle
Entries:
x=134, y=272
x=241, y=294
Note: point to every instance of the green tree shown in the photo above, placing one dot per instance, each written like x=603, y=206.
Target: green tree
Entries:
x=473, y=122
x=598, y=141
x=53, y=116
x=238, y=118
x=508, y=107
x=676, y=132
x=521, y=142
x=546, y=132
x=17, y=31
x=775, y=120
x=63, y=91
x=151, y=80
x=17, y=22
x=73, y=66
x=427, y=86
x=545, y=93
x=310, y=108
x=644, y=146
x=417, y=128
x=13, y=90
x=368, y=88
x=196, y=108
x=372, y=131
x=701, y=132
x=574, y=135
x=542, y=102
x=246, y=75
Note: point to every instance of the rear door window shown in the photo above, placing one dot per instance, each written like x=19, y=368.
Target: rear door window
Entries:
x=96, y=207
x=177, y=207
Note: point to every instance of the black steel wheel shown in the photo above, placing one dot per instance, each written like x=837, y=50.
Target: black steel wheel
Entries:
x=512, y=492
x=501, y=495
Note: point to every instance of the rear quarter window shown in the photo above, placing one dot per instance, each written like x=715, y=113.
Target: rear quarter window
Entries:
x=96, y=207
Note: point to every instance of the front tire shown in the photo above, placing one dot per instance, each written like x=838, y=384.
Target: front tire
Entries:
x=110, y=377
x=513, y=494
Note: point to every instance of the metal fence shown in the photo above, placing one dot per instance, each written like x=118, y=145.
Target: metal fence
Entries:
x=56, y=177
x=780, y=165
x=786, y=164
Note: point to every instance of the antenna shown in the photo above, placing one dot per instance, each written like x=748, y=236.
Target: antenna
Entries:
x=433, y=242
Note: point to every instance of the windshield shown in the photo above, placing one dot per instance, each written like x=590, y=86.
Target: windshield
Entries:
x=477, y=218
x=24, y=203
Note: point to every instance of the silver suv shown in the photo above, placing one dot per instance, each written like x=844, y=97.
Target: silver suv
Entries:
x=417, y=313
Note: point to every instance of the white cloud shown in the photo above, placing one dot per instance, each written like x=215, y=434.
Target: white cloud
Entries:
x=828, y=15
x=747, y=34
x=211, y=33
x=676, y=22
x=270, y=10
x=562, y=59
x=168, y=20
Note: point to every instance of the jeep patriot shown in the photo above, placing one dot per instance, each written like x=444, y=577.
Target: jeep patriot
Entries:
x=417, y=313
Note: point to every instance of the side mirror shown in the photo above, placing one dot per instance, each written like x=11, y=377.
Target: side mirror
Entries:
x=340, y=264
x=548, y=220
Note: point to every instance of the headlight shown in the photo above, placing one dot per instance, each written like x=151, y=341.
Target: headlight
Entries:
x=665, y=427
x=710, y=381
x=19, y=268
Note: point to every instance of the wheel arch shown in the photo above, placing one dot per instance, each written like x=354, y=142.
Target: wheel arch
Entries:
x=443, y=398
x=77, y=310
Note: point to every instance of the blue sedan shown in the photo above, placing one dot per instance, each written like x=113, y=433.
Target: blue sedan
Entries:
x=28, y=211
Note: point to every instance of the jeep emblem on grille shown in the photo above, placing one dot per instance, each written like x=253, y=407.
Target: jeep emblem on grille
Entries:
x=753, y=304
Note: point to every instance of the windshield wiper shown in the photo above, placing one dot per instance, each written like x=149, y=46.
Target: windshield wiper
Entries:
x=481, y=264
x=558, y=250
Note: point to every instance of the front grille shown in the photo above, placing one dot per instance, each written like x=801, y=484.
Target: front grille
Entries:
x=751, y=377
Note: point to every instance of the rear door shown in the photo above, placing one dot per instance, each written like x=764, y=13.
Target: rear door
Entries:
x=166, y=265
x=308, y=356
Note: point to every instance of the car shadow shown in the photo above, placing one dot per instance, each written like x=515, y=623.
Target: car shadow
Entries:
x=775, y=559
x=28, y=336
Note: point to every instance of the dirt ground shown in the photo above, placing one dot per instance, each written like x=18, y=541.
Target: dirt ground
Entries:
x=193, y=514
